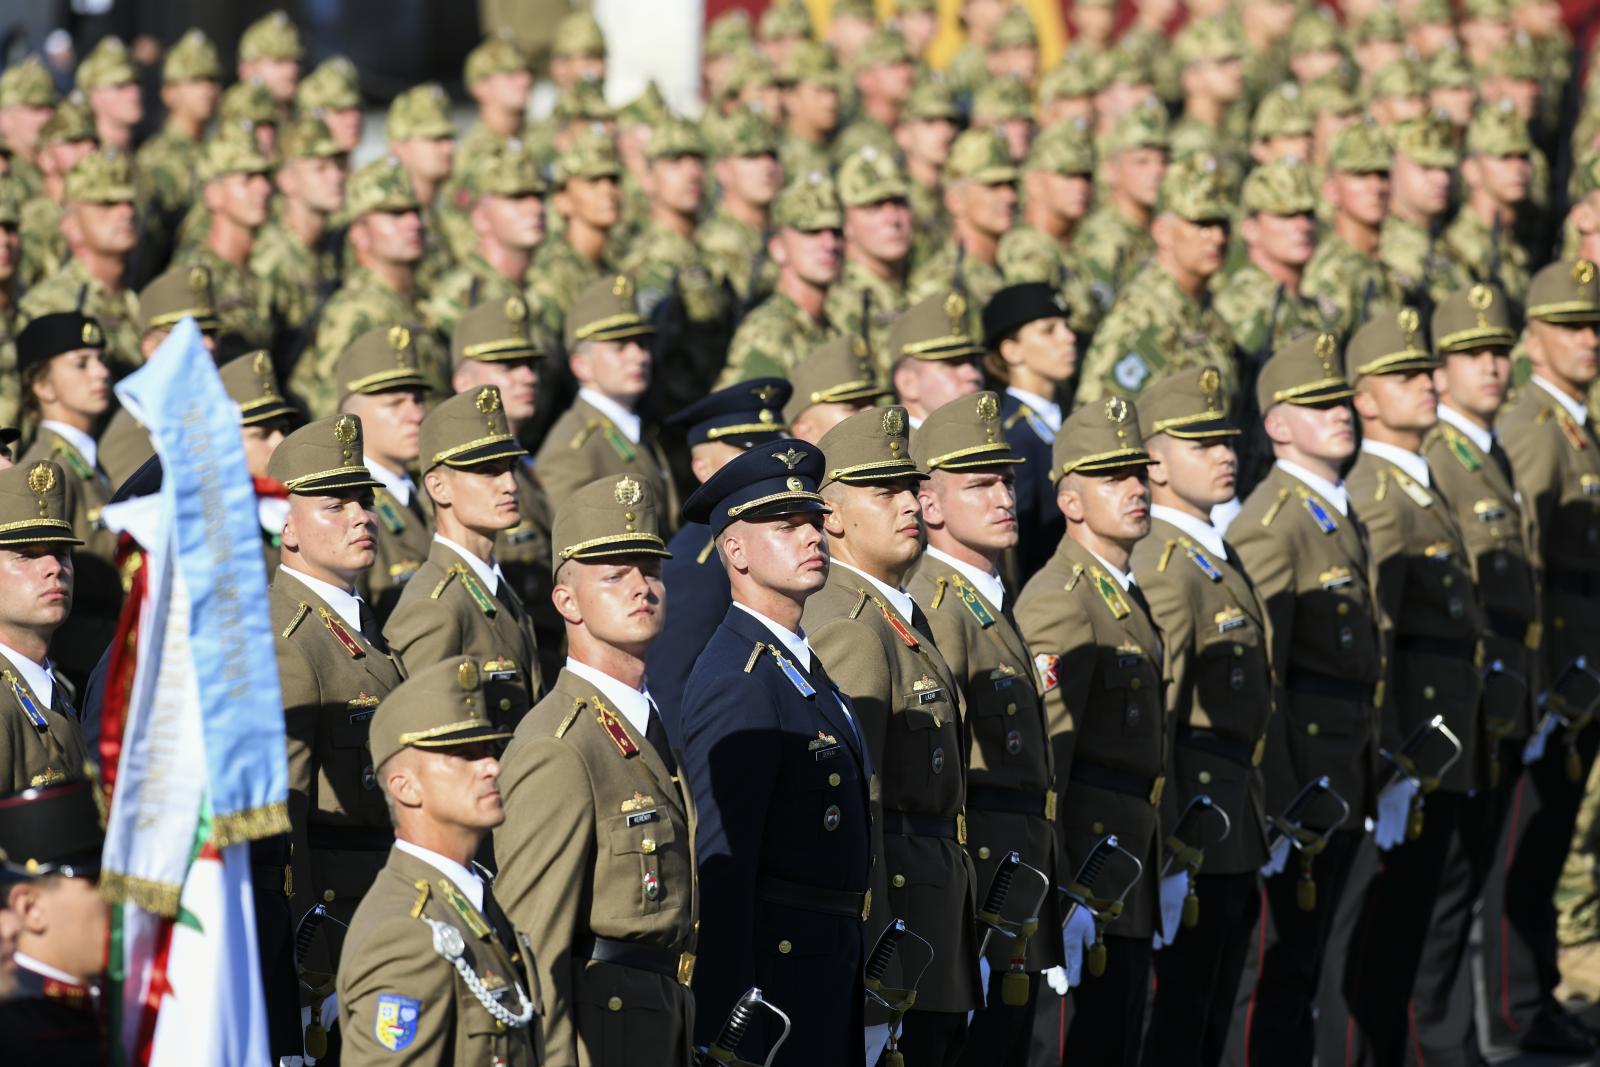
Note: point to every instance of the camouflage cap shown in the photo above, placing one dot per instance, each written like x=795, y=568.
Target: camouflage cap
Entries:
x=1401, y=79
x=11, y=198
x=1001, y=100
x=101, y=178
x=1194, y=188
x=930, y=99
x=836, y=372
x=379, y=361
x=1282, y=113
x=72, y=121
x=1429, y=141
x=1014, y=30
x=730, y=32
x=497, y=331
x=27, y=83
x=1309, y=372
x=1498, y=131
x=1449, y=69
x=1478, y=316
x=591, y=155
x=1486, y=10
x=308, y=138
x=1285, y=187
x=856, y=9
x=1065, y=148
x=1565, y=291
x=493, y=55
x=1099, y=437
x=252, y=384
x=1360, y=149
x=744, y=133
x=916, y=7
x=786, y=20
x=965, y=434
x=1391, y=342
x=1188, y=404
x=1518, y=61
x=107, y=65
x=809, y=204
x=980, y=156
x=1077, y=74
x=606, y=519
x=606, y=310
x=193, y=58
x=506, y=169
x=578, y=34
x=1586, y=174
x=248, y=101
x=441, y=706
x=1127, y=64
x=381, y=185
x=231, y=150
x=1144, y=126
x=1381, y=24
x=1315, y=31
x=1430, y=12
x=885, y=48
x=675, y=138
x=583, y=101
x=33, y=507
x=179, y=293
x=870, y=176
x=322, y=458
x=467, y=429
x=422, y=113
x=1328, y=96
x=750, y=71
x=272, y=36
x=1208, y=40
x=869, y=448
x=646, y=109
x=334, y=85
x=934, y=328
x=810, y=61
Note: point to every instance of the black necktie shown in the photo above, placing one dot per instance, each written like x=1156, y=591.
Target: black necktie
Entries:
x=1137, y=596
x=920, y=622
x=369, y=627
x=1497, y=453
x=656, y=734
x=414, y=504
x=498, y=921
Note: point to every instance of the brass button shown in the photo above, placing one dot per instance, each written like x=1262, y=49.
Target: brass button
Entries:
x=505, y=703
x=615, y=1003
x=647, y=846
x=899, y=881
x=784, y=947
x=1205, y=777
x=1313, y=729
x=1428, y=692
x=983, y=852
x=1238, y=650
x=1098, y=828
x=327, y=896
x=833, y=779
x=1560, y=623
x=1011, y=709
x=1134, y=684
x=1343, y=609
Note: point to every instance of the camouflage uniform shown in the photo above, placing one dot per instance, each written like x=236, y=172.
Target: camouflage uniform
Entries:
x=295, y=278
x=27, y=83
x=243, y=305
x=977, y=156
x=810, y=61
x=1340, y=277
x=1413, y=257
x=1245, y=300
x=1486, y=254
x=1029, y=254
x=165, y=164
x=869, y=177
x=1111, y=245
x=736, y=252
x=558, y=273
x=44, y=246
x=10, y=383
x=930, y=100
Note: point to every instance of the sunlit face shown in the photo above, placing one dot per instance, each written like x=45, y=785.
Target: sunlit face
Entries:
x=391, y=423
x=120, y=105
x=989, y=209
x=1363, y=197
x=483, y=497
x=317, y=182
x=621, y=603
x=753, y=180
x=38, y=583
x=104, y=229
x=882, y=231
x=1286, y=239
x=1201, y=470
x=977, y=509
x=678, y=183
x=815, y=256
x=390, y=236
x=76, y=383
x=72, y=914
x=1418, y=188
x=240, y=198
x=431, y=159
x=881, y=523
x=812, y=105
x=20, y=125
x=280, y=77
x=1404, y=402
x=1504, y=178
x=1325, y=432
x=260, y=441
x=1564, y=352
x=1136, y=173
x=344, y=126
x=515, y=221
x=1197, y=248
x=1114, y=505
x=617, y=369
x=194, y=100
x=332, y=535
x=1475, y=382
x=517, y=380
x=595, y=202
x=456, y=787
x=1047, y=347
x=787, y=554
x=926, y=141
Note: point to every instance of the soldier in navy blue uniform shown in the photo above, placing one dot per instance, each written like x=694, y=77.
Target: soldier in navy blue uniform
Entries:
x=779, y=772
x=719, y=427
x=1034, y=352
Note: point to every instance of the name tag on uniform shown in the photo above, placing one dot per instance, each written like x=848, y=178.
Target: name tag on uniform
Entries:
x=1488, y=510
x=823, y=746
x=1439, y=550
x=1590, y=484
x=500, y=670
x=1229, y=618
x=362, y=716
x=639, y=818
x=1335, y=577
x=1129, y=654
x=1003, y=676
x=927, y=691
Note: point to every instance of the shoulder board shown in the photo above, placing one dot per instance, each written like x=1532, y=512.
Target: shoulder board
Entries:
x=861, y=602
x=1546, y=413
x=475, y=590
x=1166, y=554
x=340, y=634
x=449, y=576
x=755, y=654
x=463, y=907
x=1275, y=507
x=566, y=723
x=1077, y=572
x=1413, y=489
x=70, y=458
x=299, y=616
x=1459, y=448
x=423, y=891
x=1383, y=484
x=1111, y=593
x=583, y=435
x=705, y=553
x=938, y=594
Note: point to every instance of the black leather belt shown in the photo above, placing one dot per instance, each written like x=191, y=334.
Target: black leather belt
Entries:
x=1133, y=785
x=1581, y=583
x=844, y=903
x=1505, y=624
x=1215, y=744
x=678, y=966
x=1011, y=801
x=1310, y=683
x=349, y=838
x=1449, y=648
x=916, y=825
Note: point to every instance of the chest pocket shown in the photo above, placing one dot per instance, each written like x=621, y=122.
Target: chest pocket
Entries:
x=646, y=850
x=1230, y=668
x=1133, y=694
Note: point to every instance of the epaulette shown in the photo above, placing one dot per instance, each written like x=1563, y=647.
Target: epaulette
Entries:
x=1166, y=554
x=1383, y=484
x=423, y=891
x=969, y=599
x=1275, y=507
x=612, y=725
x=566, y=723
x=438, y=590
x=299, y=616
x=705, y=553
x=474, y=589
x=71, y=459
x=861, y=602
x=755, y=654
x=1456, y=441
x=1106, y=586
x=583, y=435
x=1077, y=572
x=619, y=444
x=1408, y=485
x=938, y=594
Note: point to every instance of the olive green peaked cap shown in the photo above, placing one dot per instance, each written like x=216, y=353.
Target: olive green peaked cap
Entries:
x=615, y=516
x=868, y=448
x=440, y=706
x=322, y=458
x=468, y=429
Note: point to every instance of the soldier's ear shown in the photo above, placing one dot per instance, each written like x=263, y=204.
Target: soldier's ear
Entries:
x=437, y=485
x=1069, y=500
x=1156, y=472
x=565, y=601
x=833, y=521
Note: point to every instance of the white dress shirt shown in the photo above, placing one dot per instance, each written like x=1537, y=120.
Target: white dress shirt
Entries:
x=37, y=675
x=1049, y=411
x=74, y=437
x=632, y=704
x=488, y=573
x=1124, y=578
x=798, y=650
x=400, y=486
x=621, y=417
x=990, y=585
x=1209, y=536
x=1413, y=463
x=343, y=602
x=465, y=880
x=1336, y=495
x=899, y=599
x=1484, y=439
x=44, y=970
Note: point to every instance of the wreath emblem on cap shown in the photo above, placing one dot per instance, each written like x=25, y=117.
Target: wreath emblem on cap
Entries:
x=198, y=279
x=628, y=492
x=988, y=407
x=516, y=309
x=1117, y=410
x=399, y=338
x=1324, y=349
x=1408, y=321
x=1480, y=297
x=894, y=422
x=42, y=478
x=858, y=346
x=955, y=306
x=764, y=394
x=1583, y=272
x=261, y=363
x=467, y=675
x=790, y=459
x=344, y=431
x=488, y=400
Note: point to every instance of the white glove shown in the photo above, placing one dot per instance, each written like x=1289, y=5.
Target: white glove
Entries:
x=1174, y=887
x=1057, y=977
x=1533, y=751
x=1278, y=859
x=1394, y=808
x=1075, y=941
x=877, y=1038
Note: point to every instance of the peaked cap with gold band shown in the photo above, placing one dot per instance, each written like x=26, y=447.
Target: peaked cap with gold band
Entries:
x=934, y=328
x=53, y=829
x=612, y=517
x=1478, y=316
x=177, y=294
x=379, y=361
x=322, y=458
x=1187, y=404
x=835, y=372
x=965, y=434
x=868, y=448
x=606, y=311
x=497, y=331
x=468, y=429
x=1565, y=291
x=252, y=384
x=33, y=506
x=1308, y=372
x=769, y=480
x=441, y=706
x=1390, y=343
x=741, y=415
x=1099, y=437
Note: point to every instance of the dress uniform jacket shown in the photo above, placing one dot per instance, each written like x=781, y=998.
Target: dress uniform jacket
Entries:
x=584, y=446
x=698, y=595
x=1424, y=587
x=1311, y=567
x=1011, y=781
x=332, y=679
x=524, y=555
x=1099, y=663
x=51, y=1021
x=40, y=743
x=910, y=708
x=400, y=1002
x=780, y=783
x=404, y=539
x=597, y=861
x=446, y=611
x=1040, y=525
x=1219, y=686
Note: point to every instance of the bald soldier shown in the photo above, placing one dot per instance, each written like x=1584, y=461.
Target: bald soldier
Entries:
x=435, y=973
x=969, y=511
x=876, y=643
x=597, y=855
x=1098, y=659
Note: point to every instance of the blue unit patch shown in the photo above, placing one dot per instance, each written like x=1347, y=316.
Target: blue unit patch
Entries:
x=395, y=1025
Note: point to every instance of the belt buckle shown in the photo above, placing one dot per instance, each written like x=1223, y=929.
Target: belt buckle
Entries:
x=685, y=968
x=1050, y=805
x=1156, y=788
x=866, y=905
x=961, y=828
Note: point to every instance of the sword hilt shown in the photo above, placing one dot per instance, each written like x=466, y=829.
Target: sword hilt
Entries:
x=1000, y=884
x=738, y=1021
x=884, y=950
